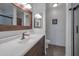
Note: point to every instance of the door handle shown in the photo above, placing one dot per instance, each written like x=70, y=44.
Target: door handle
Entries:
x=77, y=29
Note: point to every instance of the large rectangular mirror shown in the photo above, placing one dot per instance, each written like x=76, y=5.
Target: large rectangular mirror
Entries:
x=13, y=17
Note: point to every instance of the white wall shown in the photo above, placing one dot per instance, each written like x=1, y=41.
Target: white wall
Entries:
x=69, y=32
x=39, y=8
x=56, y=33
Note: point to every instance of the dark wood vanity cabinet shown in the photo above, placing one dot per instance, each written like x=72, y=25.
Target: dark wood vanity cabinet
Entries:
x=38, y=49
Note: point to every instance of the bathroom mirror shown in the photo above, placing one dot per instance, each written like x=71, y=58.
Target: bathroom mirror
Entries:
x=14, y=17
x=20, y=17
x=6, y=14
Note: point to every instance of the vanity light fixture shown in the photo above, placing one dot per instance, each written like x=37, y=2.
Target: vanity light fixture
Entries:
x=27, y=5
x=38, y=16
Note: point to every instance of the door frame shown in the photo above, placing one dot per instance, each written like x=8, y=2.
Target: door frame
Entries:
x=73, y=19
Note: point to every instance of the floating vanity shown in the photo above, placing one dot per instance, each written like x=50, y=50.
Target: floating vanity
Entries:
x=29, y=47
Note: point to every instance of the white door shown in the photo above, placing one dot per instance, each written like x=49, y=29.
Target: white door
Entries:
x=76, y=31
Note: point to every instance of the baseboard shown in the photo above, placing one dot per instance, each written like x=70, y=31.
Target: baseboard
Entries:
x=57, y=45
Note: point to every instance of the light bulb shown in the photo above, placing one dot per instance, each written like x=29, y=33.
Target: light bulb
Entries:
x=28, y=6
x=38, y=16
x=55, y=5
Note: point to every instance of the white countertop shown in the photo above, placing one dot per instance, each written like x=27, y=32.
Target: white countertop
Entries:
x=17, y=47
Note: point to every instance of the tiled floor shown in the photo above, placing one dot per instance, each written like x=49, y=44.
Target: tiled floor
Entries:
x=55, y=51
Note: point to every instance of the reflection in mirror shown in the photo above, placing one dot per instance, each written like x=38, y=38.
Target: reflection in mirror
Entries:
x=13, y=17
x=26, y=8
x=6, y=14
x=23, y=18
x=27, y=20
x=20, y=17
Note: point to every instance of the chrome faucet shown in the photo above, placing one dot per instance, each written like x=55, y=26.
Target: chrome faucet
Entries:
x=24, y=34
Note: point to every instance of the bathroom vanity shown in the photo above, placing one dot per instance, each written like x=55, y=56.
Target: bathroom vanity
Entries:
x=27, y=47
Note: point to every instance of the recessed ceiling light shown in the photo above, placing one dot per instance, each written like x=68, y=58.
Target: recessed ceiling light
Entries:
x=55, y=5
